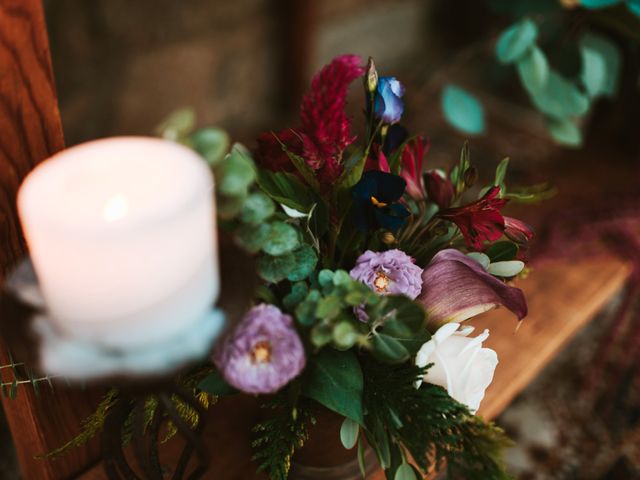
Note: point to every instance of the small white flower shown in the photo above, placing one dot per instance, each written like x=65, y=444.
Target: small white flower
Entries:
x=460, y=363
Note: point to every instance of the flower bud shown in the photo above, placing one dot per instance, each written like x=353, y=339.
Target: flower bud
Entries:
x=371, y=77
x=470, y=176
x=388, y=238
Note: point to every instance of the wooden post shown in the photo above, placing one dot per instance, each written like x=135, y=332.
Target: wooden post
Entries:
x=30, y=132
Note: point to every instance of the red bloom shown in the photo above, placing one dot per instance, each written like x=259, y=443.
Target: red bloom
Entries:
x=412, y=158
x=439, y=189
x=517, y=230
x=270, y=154
x=377, y=160
x=325, y=130
x=480, y=220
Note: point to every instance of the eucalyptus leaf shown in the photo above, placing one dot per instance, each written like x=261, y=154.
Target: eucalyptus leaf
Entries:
x=345, y=335
x=275, y=269
x=594, y=70
x=329, y=307
x=334, y=379
x=405, y=472
x=560, y=98
x=306, y=260
x=565, y=132
x=481, y=258
x=257, y=208
x=236, y=172
x=516, y=40
x=594, y=4
x=506, y=269
x=462, y=110
x=297, y=294
x=349, y=431
x=211, y=143
x=178, y=125
x=252, y=237
x=596, y=50
x=283, y=238
x=533, y=69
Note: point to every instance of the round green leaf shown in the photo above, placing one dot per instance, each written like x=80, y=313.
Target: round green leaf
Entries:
x=516, y=40
x=274, y=269
x=506, y=269
x=596, y=51
x=594, y=4
x=462, y=110
x=481, y=258
x=282, y=239
x=533, y=69
x=252, y=238
x=257, y=208
x=211, y=143
x=306, y=261
x=560, y=98
x=594, y=70
x=177, y=125
x=345, y=335
x=405, y=472
x=349, y=431
x=236, y=172
x=565, y=132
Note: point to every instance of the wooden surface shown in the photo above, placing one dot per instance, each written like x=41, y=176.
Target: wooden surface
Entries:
x=31, y=131
x=562, y=297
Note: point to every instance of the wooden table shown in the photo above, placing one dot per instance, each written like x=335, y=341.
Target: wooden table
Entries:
x=562, y=296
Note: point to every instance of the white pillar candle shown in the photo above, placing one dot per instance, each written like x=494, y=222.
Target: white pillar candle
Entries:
x=121, y=233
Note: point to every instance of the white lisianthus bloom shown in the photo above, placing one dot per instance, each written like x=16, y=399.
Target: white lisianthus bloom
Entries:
x=460, y=363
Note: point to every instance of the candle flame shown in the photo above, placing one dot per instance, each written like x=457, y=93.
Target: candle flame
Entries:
x=115, y=208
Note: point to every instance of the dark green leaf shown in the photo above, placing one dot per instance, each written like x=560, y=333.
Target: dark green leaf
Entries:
x=334, y=379
x=236, y=172
x=502, y=251
x=252, y=238
x=283, y=238
x=388, y=349
x=286, y=189
x=216, y=385
x=274, y=269
x=298, y=293
x=353, y=168
x=305, y=263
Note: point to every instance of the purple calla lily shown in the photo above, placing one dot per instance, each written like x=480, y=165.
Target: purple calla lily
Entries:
x=456, y=287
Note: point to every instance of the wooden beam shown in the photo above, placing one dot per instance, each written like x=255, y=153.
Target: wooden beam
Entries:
x=32, y=131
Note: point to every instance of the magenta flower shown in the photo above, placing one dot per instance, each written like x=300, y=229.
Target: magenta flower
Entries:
x=263, y=353
x=412, y=158
x=389, y=273
x=439, y=189
x=456, y=287
x=517, y=230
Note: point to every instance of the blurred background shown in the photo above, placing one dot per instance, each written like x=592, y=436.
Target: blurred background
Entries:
x=566, y=111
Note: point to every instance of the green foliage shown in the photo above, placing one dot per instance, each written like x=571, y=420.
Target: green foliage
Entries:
x=502, y=251
x=286, y=189
x=533, y=69
x=564, y=131
x=178, y=125
x=428, y=423
x=214, y=384
x=211, y=143
x=334, y=379
x=462, y=110
x=349, y=432
x=280, y=435
x=516, y=41
x=601, y=65
x=257, y=208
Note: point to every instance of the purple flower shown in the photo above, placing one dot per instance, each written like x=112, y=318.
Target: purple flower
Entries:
x=263, y=353
x=456, y=288
x=389, y=273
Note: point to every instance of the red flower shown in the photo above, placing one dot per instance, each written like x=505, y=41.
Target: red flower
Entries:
x=377, y=160
x=480, y=220
x=517, y=230
x=270, y=154
x=412, y=158
x=325, y=130
x=439, y=189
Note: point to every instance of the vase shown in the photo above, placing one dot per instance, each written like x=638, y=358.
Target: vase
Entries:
x=324, y=458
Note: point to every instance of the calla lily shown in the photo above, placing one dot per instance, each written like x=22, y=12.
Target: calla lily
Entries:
x=456, y=287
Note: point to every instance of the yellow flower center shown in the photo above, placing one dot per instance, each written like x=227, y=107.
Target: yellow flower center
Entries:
x=378, y=203
x=381, y=282
x=261, y=352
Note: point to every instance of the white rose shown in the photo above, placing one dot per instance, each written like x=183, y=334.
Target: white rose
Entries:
x=460, y=364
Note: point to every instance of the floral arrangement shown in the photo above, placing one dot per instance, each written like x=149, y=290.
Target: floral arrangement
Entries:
x=368, y=270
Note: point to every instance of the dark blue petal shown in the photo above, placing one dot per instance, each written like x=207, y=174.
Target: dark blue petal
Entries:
x=396, y=136
x=390, y=187
x=366, y=188
x=388, y=220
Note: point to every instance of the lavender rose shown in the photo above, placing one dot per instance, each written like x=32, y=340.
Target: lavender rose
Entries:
x=263, y=353
x=389, y=273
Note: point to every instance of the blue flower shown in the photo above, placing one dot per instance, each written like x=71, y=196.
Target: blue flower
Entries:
x=374, y=201
x=388, y=103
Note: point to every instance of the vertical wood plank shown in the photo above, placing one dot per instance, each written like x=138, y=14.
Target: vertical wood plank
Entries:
x=30, y=131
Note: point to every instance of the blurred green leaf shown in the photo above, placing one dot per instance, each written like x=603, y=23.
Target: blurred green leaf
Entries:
x=297, y=294
x=286, y=189
x=502, y=251
x=516, y=40
x=506, y=269
x=560, y=98
x=211, y=143
x=283, y=238
x=462, y=110
x=236, y=172
x=275, y=269
x=349, y=433
x=501, y=172
x=599, y=3
x=178, y=125
x=252, y=238
x=600, y=65
x=257, y=208
x=533, y=69
x=565, y=132
x=305, y=263
x=405, y=472
x=216, y=385
x=388, y=349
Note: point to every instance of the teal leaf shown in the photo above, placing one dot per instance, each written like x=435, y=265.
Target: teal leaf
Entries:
x=506, y=269
x=257, y=208
x=560, y=98
x=283, y=238
x=252, y=238
x=565, y=132
x=211, y=143
x=481, y=258
x=275, y=269
x=516, y=40
x=305, y=263
x=462, y=110
x=600, y=65
x=349, y=431
x=405, y=472
x=594, y=4
x=533, y=69
x=634, y=7
x=334, y=379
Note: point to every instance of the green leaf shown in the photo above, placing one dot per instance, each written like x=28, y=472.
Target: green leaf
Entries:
x=600, y=65
x=236, y=172
x=216, y=385
x=533, y=69
x=565, y=132
x=634, y=7
x=532, y=194
x=349, y=431
x=594, y=4
x=298, y=293
x=252, y=237
x=481, y=258
x=502, y=251
x=211, y=143
x=353, y=169
x=516, y=40
x=509, y=268
x=388, y=349
x=361, y=461
x=501, y=172
x=560, y=98
x=405, y=472
x=329, y=307
x=345, y=335
x=300, y=165
x=334, y=379
x=283, y=238
x=306, y=311
x=257, y=208
x=286, y=189
x=305, y=263
x=178, y=125
x=321, y=335
x=462, y=110
x=274, y=269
